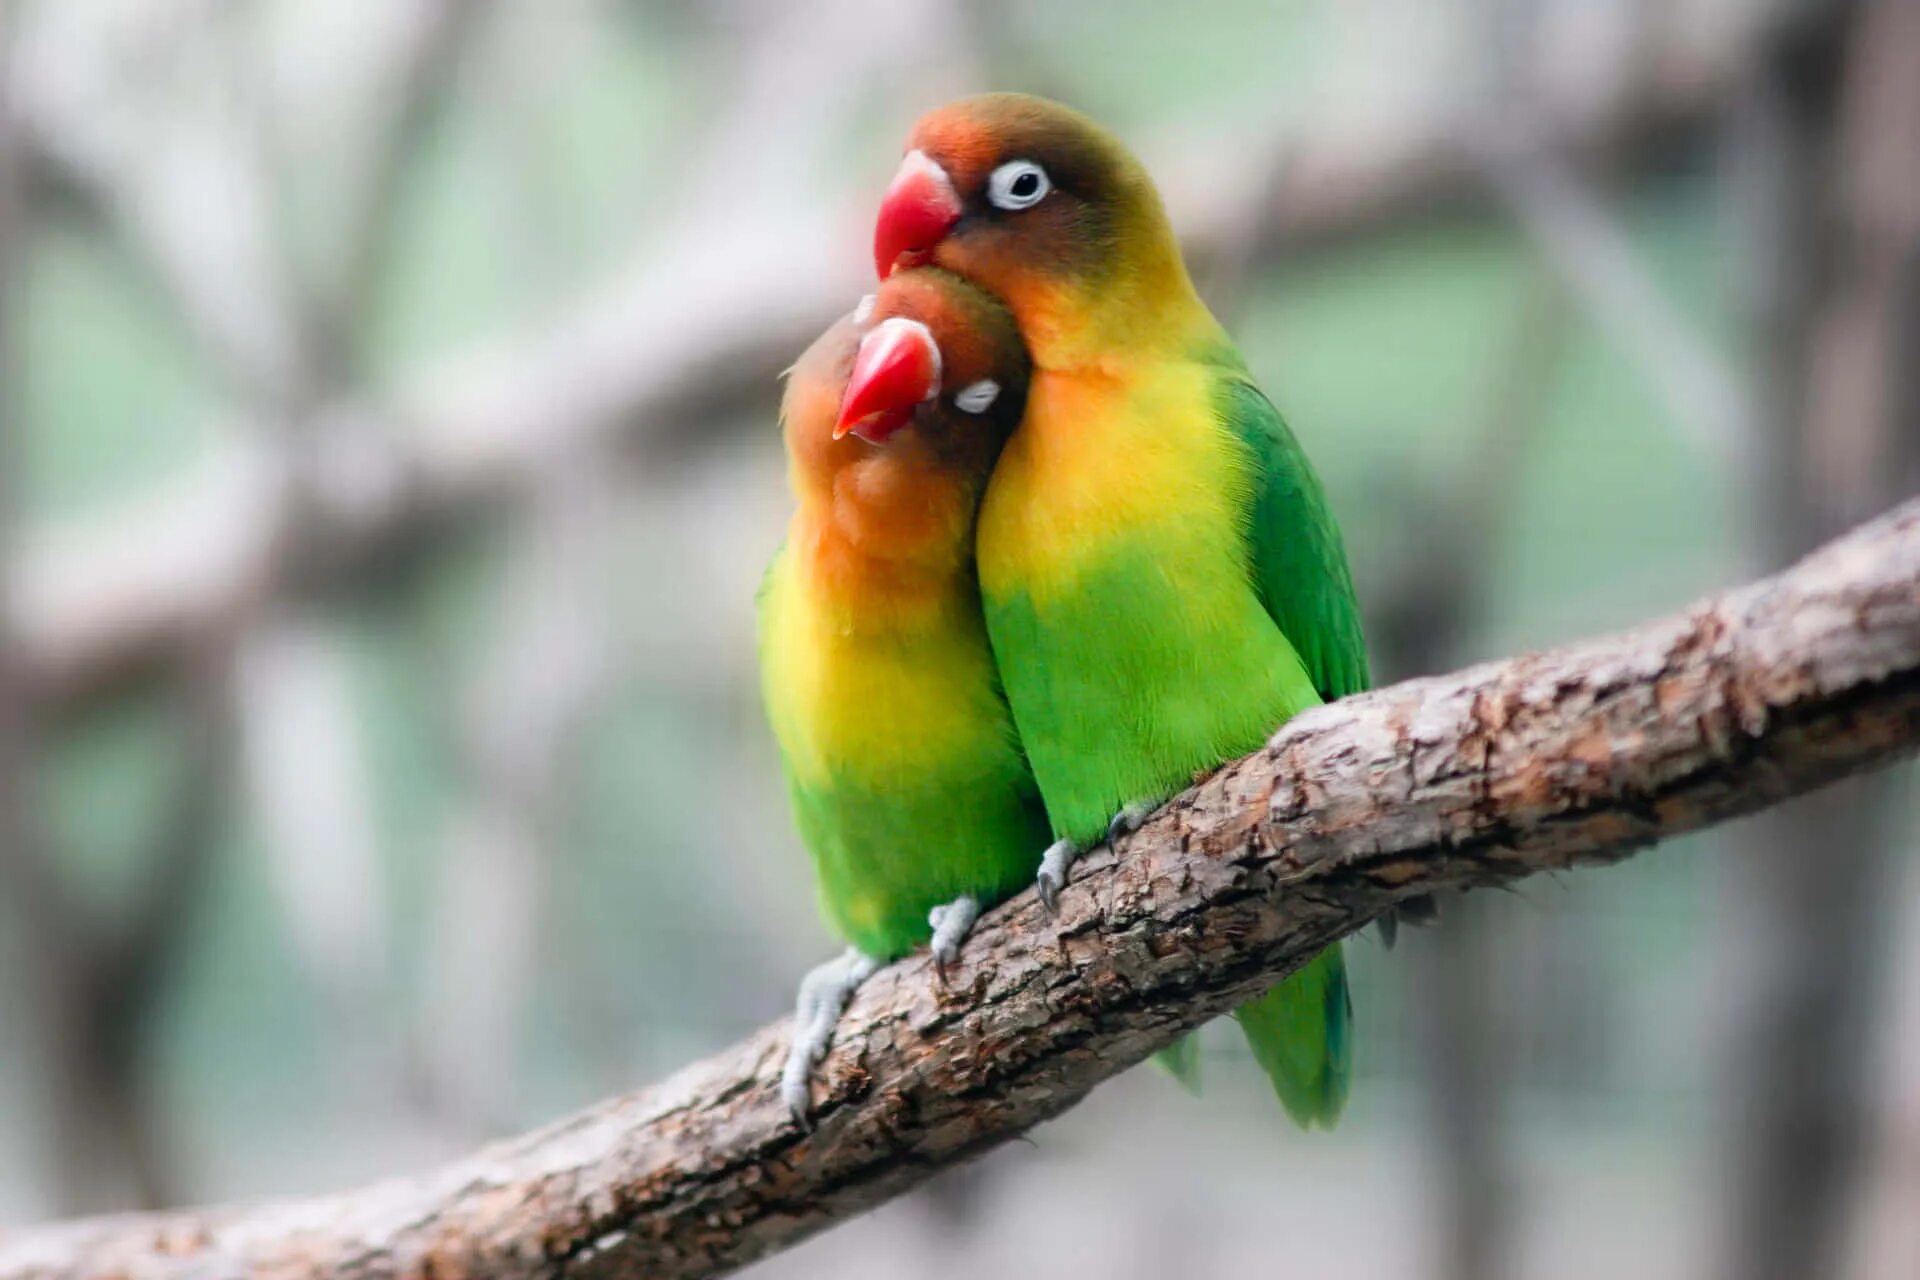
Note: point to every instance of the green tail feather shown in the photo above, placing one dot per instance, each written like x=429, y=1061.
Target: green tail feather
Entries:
x=1181, y=1060
x=1301, y=1033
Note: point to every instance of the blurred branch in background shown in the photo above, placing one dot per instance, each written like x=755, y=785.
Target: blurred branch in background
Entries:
x=427, y=46
x=1825, y=135
x=96, y=977
x=1420, y=619
x=115, y=1145
x=308, y=772
x=306, y=778
x=137, y=117
x=1422, y=615
x=682, y=334
x=1586, y=247
x=1887, y=1242
x=546, y=671
x=1571, y=757
x=236, y=287
x=1564, y=216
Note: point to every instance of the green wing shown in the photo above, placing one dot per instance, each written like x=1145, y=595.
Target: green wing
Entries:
x=1300, y=1030
x=1301, y=1034
x=1181, y=1060
x=1299, y=559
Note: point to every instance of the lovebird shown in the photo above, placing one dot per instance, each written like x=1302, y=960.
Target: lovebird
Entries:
x=1163, y=580
x=906, y=778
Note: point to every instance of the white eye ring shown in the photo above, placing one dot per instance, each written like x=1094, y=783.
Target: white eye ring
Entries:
x=977, y=397
x=1015, y=173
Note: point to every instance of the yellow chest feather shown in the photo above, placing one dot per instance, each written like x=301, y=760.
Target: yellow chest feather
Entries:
x=875, y=695
x=1099, y=460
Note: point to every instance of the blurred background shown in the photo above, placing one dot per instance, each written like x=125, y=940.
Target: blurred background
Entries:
x=387, y=395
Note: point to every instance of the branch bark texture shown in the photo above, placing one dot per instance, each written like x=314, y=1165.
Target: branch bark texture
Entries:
x=1544, y=762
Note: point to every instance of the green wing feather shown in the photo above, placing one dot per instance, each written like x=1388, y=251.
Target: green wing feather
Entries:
x=1181, y=1060
x=1299, y=559
x=1301, y=1030
x=1301, y=1034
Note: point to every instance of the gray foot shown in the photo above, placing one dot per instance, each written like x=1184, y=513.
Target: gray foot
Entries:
x=1422, y=909
x=1062, y=854
x=823, y=994
x=951, y=922
x=1129, y=819
x=1052, y=876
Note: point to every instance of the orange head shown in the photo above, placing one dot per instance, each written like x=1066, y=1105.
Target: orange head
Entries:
x=907, y=401
x=1034, y=202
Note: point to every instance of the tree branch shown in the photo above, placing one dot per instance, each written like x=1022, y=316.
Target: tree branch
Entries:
x=1541, y=763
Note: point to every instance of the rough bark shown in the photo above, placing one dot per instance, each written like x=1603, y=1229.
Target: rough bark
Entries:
x=1572, y=757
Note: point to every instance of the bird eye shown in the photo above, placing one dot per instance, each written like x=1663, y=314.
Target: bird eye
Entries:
x=977, y=397
x=1018, y=184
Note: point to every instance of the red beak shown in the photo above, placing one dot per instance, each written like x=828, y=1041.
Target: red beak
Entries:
x=896, y=370
x=919, y=208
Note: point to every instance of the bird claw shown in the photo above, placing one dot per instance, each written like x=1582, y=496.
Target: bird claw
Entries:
x=1060, y=856
x=951, y=922
x=1129, y=820
x=824, y=993
x=1052, y=876
x=1389, y=925
x=1421, y=909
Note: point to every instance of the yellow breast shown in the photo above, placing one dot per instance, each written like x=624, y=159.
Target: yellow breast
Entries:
x=1104, y=459
x=874, y=695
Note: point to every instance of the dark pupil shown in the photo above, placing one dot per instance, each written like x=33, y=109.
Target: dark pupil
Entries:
x=1025, y=185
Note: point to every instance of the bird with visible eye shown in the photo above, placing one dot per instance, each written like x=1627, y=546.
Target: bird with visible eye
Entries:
x=902, y=372
x=1022, y=206
x=906, y=778
x=1163, y=579
x=977, y=397
x=1018, y=184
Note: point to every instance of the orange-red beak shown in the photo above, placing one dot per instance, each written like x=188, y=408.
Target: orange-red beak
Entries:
x=895, y=371
x=919, y=208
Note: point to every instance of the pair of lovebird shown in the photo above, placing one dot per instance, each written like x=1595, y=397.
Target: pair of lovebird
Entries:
x=1054, y=555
